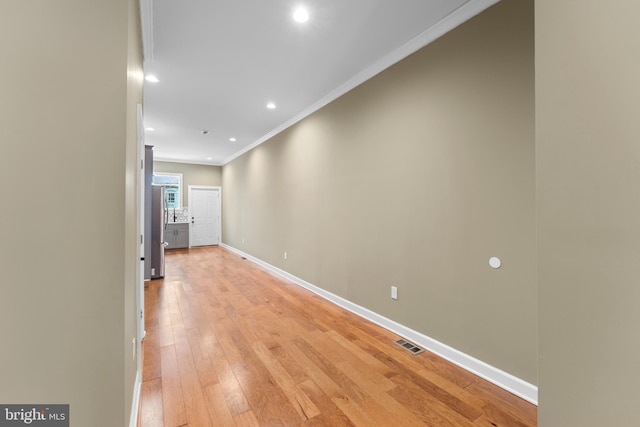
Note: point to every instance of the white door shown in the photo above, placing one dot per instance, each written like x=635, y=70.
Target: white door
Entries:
x=205, y=211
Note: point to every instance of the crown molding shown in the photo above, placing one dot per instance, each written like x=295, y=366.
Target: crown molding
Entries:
x=190, y=162
x=446, y=24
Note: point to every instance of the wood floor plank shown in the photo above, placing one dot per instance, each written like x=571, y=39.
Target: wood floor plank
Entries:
x=164, y=335
x=498, y=416
x=267, y=400
x=230, y=344
x=204, y=367
x=330, y=414
x=172, y=399
x=508, y=402
x=410, y=380
x=389, y=411
x=448, y=370
x=151, y=413
x=246, y=419
x=233, y=394
x=365, y=358
x=265, y=327
x=357, y=413
x=348, y=387
x=151, y=361
x=222, y=327
x=295, y=366
x=301, y=403
x=192, y=391
x=341, y=392
x=428, y=409
x=340, y=357
x=453, y=389
x=315, y=374
x=217, y=406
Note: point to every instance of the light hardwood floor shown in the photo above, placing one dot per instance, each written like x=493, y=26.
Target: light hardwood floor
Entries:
x=229, y=344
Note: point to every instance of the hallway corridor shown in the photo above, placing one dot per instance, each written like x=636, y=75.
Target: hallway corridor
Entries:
x=229, y=344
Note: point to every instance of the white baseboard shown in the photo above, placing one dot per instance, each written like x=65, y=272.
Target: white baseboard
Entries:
x=135, y=404
x=502, y=379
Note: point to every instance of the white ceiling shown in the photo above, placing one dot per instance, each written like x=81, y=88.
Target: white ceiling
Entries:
x=220, y=62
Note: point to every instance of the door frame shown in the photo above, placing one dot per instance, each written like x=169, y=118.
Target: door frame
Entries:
x=219, y=213
x=141, y=167
x=139, y=285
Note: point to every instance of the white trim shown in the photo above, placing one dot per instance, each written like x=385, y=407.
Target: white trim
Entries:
x=219, y=222
x=189, y=162
x=502, y=379
x=135, y=404
x=446, y=24
x=140, y=167
x=146, y=21
x=140, y=332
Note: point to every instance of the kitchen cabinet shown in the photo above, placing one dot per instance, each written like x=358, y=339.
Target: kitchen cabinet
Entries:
x=177, y=235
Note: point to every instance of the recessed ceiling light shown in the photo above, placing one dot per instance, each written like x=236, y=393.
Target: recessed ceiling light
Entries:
x=205, y=132
x=232, y=139
x=149, y=129
x=209, y=158
x=301, y=15
x=271, y=105
x=151, y=78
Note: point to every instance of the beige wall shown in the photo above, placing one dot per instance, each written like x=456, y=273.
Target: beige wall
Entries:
x=192, y=175
x=588, y=179
x=66, y=288
x=416, y=178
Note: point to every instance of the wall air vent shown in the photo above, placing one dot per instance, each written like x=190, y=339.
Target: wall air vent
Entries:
x=409, y=346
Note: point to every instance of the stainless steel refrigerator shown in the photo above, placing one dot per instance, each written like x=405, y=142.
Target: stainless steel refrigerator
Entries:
x=158, y=226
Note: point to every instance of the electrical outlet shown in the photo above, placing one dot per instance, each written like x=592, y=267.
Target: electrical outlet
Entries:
x=394, y=292
x=285, y=255
x=243, y=240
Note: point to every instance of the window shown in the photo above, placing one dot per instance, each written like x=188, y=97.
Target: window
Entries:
x=172, y=183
